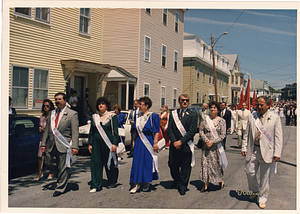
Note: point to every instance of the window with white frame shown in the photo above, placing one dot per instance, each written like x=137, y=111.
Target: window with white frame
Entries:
x=163, y=55
x=85, y=21
x=209, y=80
x=163, y=95
x=232, y=79
x=24, y=11
x=165, y=16
x=219, y=82
x=42, y=14
x=198, y=74
x=204, y=47
x=147, y=48
x=20, y=86
x=236, y=80
x=148, y=10
x=213, y=79
x=176, y=21
x=40, y=87
x=174, y=97
x=197, y=97
x=203, y=76
x=146, y=89
x=175, y=60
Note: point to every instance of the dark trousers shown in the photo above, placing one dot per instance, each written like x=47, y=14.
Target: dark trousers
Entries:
x=224, y=142
x=180, y=166
x=295, y=120
x=58, y=160
x=288, y=120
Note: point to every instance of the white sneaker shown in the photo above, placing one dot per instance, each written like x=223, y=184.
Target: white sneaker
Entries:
x=134, y=189
x=93, y=190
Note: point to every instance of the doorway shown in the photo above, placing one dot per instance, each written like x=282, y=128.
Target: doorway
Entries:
x=123, y=96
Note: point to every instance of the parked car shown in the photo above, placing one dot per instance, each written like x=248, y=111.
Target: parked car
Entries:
x=85, y=129
x=24, y=139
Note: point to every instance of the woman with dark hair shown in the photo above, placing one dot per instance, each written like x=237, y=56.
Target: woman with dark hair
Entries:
x=145, y=163
x=103, y=142
x=46, y=108
x=212, y=131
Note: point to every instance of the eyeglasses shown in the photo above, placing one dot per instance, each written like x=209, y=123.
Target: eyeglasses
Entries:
x=187, y=100
x=46, y=106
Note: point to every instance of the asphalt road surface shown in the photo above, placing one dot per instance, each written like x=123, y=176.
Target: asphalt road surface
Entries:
x=23, y=192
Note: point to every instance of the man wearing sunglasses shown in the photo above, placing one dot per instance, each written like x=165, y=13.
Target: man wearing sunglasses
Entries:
x=181, y=130
x=262, y=145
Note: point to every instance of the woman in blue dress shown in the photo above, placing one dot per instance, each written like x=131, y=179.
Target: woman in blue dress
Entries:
x=121, y=120
x=144, y=164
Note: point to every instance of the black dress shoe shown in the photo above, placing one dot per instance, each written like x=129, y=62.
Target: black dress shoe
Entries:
x=182, y=191
x=56, y=193
x=174, y=184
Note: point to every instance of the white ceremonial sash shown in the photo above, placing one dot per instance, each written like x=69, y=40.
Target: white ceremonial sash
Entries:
x=267, y=136
x=70, y=158
x=139, y=128
x=112, y=155
x=223, y=159
x=183, y=133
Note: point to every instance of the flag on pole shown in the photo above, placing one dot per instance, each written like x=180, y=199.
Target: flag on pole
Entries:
x=254, y=99
x=247, y=95
x=241, y=99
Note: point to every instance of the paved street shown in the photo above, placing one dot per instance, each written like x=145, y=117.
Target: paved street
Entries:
x=24, y=192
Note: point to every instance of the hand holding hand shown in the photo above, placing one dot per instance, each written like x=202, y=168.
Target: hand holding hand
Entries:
x=177, y=144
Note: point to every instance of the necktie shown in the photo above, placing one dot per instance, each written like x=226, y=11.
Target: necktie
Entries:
x=57, y=117
x=222, y=113
x=180, y=114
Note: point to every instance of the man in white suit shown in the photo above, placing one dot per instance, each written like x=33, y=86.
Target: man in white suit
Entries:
x=262, y=147
x=241, y=123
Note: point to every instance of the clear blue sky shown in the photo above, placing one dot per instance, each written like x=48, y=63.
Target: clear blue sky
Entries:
x=265, y=40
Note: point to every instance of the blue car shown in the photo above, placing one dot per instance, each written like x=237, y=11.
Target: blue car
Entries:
x=24, y=139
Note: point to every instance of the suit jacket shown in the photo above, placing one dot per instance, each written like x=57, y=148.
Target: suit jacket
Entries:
x=67, y=126
x=226, y=117
x=272, y=124
x=240, y=122
x=189, y=122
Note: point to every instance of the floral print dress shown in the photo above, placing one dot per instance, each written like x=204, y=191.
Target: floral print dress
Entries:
x=210, y=161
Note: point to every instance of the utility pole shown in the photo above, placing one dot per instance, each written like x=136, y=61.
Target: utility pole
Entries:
x=214, y=67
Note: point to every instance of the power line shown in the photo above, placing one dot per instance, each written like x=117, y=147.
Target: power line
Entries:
x=236, y=20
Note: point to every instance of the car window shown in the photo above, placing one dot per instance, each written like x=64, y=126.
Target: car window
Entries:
x=22, y=127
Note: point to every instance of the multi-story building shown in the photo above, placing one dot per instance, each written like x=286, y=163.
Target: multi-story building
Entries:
x=198, y=73
x=148, y=43
x=236, y=77
x=289, y=92
x=261, y=88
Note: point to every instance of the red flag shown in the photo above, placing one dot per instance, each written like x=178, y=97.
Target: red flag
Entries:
x=241, y=99
x=254, y=99
x=271, y=102
x=247, y=95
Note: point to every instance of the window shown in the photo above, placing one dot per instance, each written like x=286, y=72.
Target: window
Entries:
x=222, y=82
x=242, y=80
x=24, y=11
x=203, y=76
x=165, y=15
x=20, y=86
x=198, y=74
x=42, y=14
x=197, y=97
x=163, y=95
x=204, y=47
x=232, y=79
x=236, y=80
x=146, y=89
x=163, y=55
x=176, y=22
x=203, y=97
x=148, y=10
x=174, y=97
x=209, y=80
x=40, y=87
x=175, y=60
x=85, y=20
x=213, y=79
x=147, y=49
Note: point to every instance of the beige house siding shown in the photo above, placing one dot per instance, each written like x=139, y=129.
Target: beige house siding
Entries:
x=152, y=72
x=38, y=45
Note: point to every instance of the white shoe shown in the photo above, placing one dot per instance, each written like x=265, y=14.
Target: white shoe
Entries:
x=134, y=189
x=262, y=205
x=93, y=190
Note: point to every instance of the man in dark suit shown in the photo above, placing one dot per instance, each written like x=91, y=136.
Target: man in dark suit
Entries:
x=288, y=113
x=65, y=121
x=226, y=115
x=181, y=145
x=131, y=118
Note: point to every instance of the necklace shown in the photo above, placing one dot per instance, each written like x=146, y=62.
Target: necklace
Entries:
x=101, y=114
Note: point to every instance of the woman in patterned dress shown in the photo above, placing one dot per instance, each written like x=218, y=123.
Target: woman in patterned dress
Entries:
x=211, y=170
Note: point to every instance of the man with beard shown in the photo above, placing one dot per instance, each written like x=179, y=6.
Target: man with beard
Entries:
x=181, y=130
x=62, y=134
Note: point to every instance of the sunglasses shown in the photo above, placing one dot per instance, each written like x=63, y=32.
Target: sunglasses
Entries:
x=182, y=100
x=46, y=106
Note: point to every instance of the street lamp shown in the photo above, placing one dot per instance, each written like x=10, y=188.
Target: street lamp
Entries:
x=214, y=66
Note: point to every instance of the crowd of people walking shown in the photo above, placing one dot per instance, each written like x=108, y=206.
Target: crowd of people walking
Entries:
x=259, y=138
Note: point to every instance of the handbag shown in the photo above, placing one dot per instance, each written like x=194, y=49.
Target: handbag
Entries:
x=120, y=148
x=161, y=144
x=121, y=132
